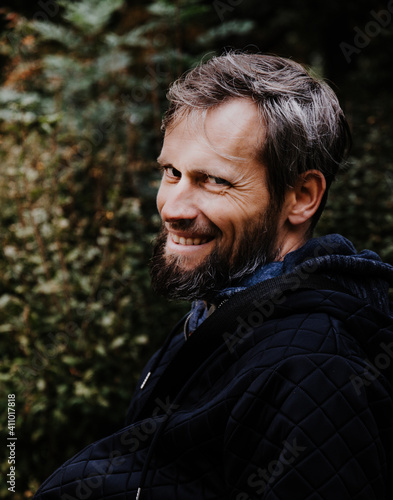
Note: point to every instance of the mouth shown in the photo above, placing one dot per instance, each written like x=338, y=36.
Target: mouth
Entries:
x=180, y=240
x=191, y=249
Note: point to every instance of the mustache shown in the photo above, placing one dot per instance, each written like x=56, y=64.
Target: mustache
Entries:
x=192, y=226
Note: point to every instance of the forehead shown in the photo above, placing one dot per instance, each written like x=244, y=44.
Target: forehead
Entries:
x=232, y=130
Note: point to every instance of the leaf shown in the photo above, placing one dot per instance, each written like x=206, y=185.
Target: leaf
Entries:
x=90, y=16
x=161, y=8
x=56, y=32
x=226, y=29
x=137, y=37
x=117, y=342
x=112, y=62
x=7, y=328
x=48, y=287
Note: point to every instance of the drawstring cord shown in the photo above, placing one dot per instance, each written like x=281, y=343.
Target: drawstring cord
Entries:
x=178, y=398
x=163, y=350
x=153, y=368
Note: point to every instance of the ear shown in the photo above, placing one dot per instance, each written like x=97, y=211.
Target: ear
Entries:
x=306, y=197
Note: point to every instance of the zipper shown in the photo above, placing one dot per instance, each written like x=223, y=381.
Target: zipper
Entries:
x=222, y=303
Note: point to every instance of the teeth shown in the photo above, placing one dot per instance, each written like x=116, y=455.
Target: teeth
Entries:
x=189, y=241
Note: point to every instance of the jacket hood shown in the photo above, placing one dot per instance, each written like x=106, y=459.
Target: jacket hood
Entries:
x=363, y=274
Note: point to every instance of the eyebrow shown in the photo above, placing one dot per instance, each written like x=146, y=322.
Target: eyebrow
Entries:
x=161, y=160
x=163, y=163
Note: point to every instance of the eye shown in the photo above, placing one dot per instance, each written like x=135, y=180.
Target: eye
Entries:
x=171, y=172
x=217, y=180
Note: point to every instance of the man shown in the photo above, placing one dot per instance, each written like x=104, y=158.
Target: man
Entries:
x=278, y=384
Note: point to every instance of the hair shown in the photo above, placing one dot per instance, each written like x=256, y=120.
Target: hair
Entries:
x=305, y=127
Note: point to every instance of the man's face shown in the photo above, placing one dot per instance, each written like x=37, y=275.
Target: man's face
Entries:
x=219, y=222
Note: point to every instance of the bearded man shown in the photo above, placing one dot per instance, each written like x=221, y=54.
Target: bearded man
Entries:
x=278, y=383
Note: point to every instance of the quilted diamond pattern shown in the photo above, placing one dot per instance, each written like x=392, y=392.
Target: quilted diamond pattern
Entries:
x=276, y=417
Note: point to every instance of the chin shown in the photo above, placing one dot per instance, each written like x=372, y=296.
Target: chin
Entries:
x=188, y=256
x=184, y=262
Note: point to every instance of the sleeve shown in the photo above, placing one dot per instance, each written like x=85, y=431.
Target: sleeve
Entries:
x=304, y=431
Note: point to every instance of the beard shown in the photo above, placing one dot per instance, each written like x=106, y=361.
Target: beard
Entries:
x=222, y=268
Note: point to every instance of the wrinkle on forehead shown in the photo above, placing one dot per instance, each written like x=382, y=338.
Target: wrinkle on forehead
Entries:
x=244, y=134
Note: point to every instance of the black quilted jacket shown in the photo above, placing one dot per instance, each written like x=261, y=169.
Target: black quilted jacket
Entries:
x=284, y=392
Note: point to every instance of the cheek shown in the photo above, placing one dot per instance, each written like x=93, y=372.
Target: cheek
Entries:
x=228, y=224
x=245, y=204
x=160, y=200
x=236, y=218
x=233, y=215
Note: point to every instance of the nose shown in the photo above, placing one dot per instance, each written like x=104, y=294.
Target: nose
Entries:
x=177, y=202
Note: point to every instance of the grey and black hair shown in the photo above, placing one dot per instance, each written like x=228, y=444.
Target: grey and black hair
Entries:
x=305, y=127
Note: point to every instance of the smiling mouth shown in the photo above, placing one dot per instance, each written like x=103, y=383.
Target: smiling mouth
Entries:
x=180, y=240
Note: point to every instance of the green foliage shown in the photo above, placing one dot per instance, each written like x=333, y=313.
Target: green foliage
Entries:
x=361, y=202
x=80, y=119
x=90, y=17
x=80, y=108
x=78, y=318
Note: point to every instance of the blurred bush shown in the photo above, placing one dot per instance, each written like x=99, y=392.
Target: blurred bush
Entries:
x=81, y=105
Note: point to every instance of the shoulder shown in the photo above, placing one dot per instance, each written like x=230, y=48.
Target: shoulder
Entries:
x=315, y=340
x=304, y=322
